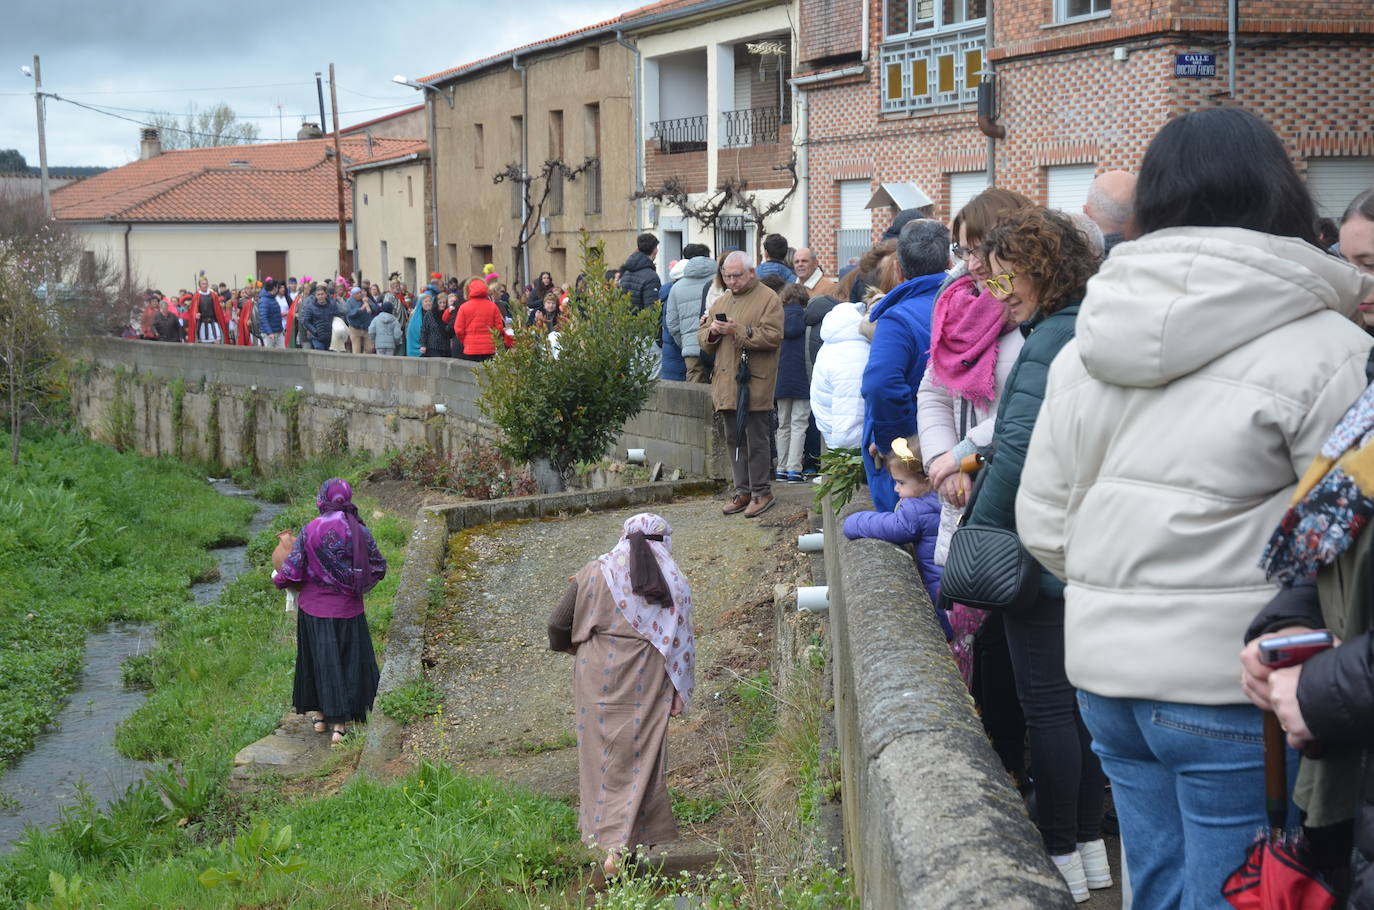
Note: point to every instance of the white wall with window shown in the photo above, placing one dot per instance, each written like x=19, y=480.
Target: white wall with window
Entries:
x=1074, y=10
x=1067, y=186
x=1334, y=182
x=962, y=188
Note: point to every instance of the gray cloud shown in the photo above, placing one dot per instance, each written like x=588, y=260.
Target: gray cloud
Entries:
x=251, y=54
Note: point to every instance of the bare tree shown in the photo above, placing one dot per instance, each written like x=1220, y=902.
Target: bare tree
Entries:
x=217, y=125
x=51, y=294
x=542, y=182
x=733, y=194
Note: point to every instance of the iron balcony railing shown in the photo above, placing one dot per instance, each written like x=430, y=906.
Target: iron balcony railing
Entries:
x=751, y=126
x=685, y=134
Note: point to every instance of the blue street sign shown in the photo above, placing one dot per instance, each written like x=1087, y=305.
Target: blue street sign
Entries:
x=1195, y=66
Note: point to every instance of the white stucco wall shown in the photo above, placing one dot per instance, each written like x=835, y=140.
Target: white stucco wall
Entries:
x=171, y=256
x=389, y=207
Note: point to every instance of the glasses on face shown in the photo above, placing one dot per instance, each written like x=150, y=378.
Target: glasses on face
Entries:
x=963, y=252
x=999, y=286
x=732, y=276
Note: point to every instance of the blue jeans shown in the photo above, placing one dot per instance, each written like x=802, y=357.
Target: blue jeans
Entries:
x=1188, y=783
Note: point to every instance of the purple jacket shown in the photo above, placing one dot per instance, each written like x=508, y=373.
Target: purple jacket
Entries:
x=915, y=521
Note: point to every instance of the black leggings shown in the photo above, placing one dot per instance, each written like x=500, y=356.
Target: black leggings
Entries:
x=994, y=689
x=1069, y=782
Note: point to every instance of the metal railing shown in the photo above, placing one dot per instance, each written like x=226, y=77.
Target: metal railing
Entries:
x=940, y=71
x=851, y=243
x=685, y=134
x=751, y=126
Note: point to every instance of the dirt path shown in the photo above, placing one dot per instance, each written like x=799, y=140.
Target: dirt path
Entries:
x=507, y=707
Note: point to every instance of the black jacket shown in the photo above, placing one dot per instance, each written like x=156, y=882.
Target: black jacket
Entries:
x=1336, y=694
x=435, y=335
x=640, y=278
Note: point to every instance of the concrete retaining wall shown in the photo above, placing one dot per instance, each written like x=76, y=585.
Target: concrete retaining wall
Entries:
x=931, y=819
x=235, y=406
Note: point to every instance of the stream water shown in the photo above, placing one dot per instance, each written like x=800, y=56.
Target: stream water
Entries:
x=79, y=746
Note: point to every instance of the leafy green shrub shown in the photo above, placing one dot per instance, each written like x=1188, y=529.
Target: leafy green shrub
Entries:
x=842, y=472
x=407, y=704
x=255, y=854
x=570, y=406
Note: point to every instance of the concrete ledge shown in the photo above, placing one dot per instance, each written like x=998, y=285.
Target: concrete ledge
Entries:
x=931, y=818
x=471, y=514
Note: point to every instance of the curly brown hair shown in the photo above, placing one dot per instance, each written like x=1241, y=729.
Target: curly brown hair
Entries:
x=981, y=213
x=1045, y=246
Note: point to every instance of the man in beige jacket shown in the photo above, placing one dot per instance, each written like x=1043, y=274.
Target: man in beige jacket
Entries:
x=745, y=320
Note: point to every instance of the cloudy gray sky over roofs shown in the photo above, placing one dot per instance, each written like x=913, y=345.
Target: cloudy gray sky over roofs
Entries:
x=129, y=57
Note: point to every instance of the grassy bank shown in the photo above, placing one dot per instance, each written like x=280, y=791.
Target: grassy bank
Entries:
x=88, y=536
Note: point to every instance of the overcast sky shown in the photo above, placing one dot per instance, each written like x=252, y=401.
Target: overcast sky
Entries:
x=161, y=55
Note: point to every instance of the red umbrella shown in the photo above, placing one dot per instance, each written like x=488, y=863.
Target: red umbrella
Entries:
x=1276, y=874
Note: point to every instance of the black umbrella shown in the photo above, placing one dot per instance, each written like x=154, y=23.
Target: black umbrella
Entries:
x=742, y=377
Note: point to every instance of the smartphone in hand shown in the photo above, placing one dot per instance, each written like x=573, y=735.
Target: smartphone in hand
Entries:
x=1291, y=650
x=721, y=317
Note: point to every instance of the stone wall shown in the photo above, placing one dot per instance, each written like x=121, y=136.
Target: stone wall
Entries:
x=235, y=406
x=931, y=819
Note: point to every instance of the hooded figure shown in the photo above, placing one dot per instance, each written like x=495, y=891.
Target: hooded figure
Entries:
x=477, y=319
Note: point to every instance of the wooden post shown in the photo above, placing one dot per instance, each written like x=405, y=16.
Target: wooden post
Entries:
x=344, y=269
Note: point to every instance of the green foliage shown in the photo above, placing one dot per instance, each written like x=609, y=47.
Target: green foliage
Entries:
x=66, y=895
x=186, y=792
x=571, y=406
x=87, y=536
x=255, y=855
x=694, y=810
x=813, y=887
x=407, y=704
x=842, y=472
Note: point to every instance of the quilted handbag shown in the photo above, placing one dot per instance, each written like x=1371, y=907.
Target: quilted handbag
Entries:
x=987, y=568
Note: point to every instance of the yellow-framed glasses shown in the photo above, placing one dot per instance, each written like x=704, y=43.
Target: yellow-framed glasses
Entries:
x=999, y=286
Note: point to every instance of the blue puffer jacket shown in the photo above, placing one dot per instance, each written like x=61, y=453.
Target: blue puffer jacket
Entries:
x=355, y=315
x=269, y=314
x=318, y=320
x=896, y=363
x=915, y=521
x=792, y=381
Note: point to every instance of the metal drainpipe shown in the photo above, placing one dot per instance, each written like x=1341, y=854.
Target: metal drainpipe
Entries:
x=128, y=259
x=639, y=131
x=987, y=71
x=524, y=163
x=1232, y=28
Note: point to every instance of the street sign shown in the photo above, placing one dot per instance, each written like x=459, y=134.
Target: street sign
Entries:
x=1195, y=66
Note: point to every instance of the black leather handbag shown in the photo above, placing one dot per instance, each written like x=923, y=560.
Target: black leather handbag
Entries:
x=987, y=568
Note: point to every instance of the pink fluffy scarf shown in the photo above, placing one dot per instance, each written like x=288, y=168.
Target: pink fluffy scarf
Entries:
x=964, y=330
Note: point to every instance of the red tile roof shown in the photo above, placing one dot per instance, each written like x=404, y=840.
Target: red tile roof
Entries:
x=279, y=181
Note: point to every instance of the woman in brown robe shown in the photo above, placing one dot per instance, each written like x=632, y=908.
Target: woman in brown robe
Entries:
x=627, y=618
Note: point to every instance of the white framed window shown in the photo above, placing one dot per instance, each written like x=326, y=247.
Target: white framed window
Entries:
x=1076, y=10
x=854, y=235
x=963, y=187
x=909, y=17
x=1334, y=182
x=1067, y=185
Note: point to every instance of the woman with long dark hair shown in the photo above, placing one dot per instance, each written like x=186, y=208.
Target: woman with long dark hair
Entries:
x=1214, y=355
x=335, y=562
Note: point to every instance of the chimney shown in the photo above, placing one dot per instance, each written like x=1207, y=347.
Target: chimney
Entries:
x=309, y=131
x=150, y=144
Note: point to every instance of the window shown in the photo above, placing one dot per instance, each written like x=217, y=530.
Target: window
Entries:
x=908, y=17
x=481, y=255
x=1070, y=10
x=1334, y=182
x=853, y=238
x=517, y=138
x=592, y=176
x=1066, y=186
x=452, y=261
x=942, y=70
x=410, y=191
x=731, y=233
x=963, y=187
x=555, y=201
x=386, y=264
x=559, y=263
x=517, y=135
x=479, y=146
x=592, y=55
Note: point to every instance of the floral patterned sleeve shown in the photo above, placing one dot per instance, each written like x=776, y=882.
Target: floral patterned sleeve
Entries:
x=375, y=561
x=292, y=571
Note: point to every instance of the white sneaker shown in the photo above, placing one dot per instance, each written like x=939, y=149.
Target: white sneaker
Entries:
x=1095, y=868
x=1070, y=866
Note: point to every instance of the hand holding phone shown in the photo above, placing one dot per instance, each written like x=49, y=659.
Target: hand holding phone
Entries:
x=721, y=317
x=1291, y=650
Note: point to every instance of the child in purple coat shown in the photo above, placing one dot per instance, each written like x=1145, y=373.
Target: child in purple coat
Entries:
x=915, y=521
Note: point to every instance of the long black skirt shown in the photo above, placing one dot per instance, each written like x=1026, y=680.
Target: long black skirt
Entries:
x=336, y=668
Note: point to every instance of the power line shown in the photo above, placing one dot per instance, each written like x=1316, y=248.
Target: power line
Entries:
x=136, y=110
x=160, y=91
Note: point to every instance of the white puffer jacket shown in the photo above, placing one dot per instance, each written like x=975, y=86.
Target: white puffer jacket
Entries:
x=837, y=400
x=1210, y=366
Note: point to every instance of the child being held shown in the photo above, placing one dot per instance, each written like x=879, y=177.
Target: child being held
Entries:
x=915, y=521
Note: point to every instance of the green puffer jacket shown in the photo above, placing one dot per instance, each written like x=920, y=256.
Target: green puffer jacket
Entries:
x=1017, y=410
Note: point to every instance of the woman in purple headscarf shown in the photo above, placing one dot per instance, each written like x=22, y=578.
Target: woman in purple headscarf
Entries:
x=627, y=618
x=335, y=561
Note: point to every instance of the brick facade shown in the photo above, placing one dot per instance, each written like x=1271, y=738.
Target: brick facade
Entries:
x=1064, y=99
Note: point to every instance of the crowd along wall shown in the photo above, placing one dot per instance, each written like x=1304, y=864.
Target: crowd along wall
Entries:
x=235, y=406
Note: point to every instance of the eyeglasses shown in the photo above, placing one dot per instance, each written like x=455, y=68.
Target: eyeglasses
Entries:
x=999, y=286
x=732, y=276
x=963, y=252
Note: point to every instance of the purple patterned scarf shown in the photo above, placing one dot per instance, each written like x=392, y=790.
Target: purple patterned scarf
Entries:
x=336, y=496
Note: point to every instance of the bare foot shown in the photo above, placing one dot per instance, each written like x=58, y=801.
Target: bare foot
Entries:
x=338, y=733
x=316, y=720
x=612, y=864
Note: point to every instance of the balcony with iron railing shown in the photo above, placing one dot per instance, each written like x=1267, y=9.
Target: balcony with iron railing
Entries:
x=932, y=73
x=752, y=126
x=685, y=134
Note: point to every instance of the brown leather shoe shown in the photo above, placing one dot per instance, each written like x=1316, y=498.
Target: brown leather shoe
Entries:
x=760, y=505
x=737, y=504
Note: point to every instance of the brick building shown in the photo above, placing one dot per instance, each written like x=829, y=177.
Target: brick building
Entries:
x=889, y=94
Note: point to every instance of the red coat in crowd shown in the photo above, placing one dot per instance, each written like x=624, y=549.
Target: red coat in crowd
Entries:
x=476, y=319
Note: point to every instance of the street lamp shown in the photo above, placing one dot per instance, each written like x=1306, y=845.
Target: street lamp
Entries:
x=36, y=74
x=433, y=158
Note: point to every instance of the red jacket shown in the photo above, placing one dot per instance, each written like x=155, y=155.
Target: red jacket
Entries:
x=191, y=302
x=476, y=319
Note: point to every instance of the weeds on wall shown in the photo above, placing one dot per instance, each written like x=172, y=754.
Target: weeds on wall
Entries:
x=478, y=470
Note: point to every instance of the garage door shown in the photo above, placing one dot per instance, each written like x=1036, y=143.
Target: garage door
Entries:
x=1067, y=186
x=962, y=188
x=1333, y=182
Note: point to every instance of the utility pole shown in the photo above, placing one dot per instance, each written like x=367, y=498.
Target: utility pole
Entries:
x=338, y=170
x=42, y=137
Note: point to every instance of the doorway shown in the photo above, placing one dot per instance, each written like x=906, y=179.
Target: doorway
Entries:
x=271, y=264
